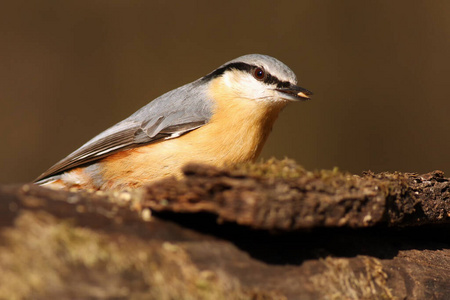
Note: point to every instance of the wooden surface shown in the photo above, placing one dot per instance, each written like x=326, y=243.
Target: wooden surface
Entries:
x=270, y=231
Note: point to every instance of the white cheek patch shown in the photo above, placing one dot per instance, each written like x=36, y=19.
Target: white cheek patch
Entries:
x=245, y=85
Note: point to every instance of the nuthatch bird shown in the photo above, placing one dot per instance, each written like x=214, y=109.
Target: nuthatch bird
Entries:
x=222, y=118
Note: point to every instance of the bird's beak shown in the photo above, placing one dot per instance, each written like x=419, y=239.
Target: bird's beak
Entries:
x=294, y=93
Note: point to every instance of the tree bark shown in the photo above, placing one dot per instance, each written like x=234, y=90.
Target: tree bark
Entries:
x=266, y=231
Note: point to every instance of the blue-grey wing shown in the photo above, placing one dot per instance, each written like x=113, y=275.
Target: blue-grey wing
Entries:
x=169, y=116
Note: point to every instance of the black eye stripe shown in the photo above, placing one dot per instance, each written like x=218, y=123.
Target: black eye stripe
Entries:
x=270, y=79
x=283, y=84
x=236, y=66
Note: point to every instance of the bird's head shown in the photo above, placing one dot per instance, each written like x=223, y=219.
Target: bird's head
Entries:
x=260, y=78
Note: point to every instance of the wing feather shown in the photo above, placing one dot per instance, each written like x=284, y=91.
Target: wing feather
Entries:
x=169, y=116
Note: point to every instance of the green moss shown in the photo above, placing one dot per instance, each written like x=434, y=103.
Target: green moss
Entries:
x=283, y=169
x=42, y=257
x=340, y=281
x=272, y=168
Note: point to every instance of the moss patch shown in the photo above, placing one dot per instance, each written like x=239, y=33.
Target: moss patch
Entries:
x=340, y=281
x=43, y=257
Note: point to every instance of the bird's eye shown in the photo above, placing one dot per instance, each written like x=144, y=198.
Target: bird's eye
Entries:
x=259, y=74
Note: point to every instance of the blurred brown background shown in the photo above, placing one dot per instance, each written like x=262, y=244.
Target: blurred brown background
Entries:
x=379, y=69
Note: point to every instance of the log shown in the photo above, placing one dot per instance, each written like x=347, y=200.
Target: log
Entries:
x=258, y=231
